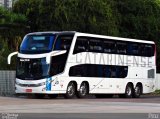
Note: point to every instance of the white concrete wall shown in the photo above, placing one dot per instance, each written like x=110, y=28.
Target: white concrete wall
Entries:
x=157, y=82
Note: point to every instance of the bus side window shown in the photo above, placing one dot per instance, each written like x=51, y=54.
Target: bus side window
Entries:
x=149, y=51
x=100, y=71
x=95, y=45
x=113, y=71
x=78, y=70
x=121, y=48
x=63, y=43
x=107, y=71
x=133, y=49
x=121, y=71
x=142, y=50
x=81, y=45
x=109, y=47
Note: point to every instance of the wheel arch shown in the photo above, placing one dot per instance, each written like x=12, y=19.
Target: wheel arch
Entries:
x=130, y=83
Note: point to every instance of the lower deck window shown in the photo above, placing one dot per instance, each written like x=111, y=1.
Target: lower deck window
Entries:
x=103, y=71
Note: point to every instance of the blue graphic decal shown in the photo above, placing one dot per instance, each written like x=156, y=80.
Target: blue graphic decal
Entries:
x=48, y=84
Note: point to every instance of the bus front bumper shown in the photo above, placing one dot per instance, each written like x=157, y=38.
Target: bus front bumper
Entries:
x=34, y=90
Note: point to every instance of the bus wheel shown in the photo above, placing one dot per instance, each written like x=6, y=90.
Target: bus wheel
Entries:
x=83, y=91
x=52, y=96
x=128, y=92
x=137, y=91
x=70, y=90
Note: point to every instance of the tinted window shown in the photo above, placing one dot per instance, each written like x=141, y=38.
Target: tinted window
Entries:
x=149, y=50
x=99, y=45
x=133, y=49
x=63, y=43
x=121, y=47
x=81, y=45
x=32, y=69
x=58, y=64
x=95, y=45
x=94, y=70
x=142, y=51
x=109, y=47
x=37, y=43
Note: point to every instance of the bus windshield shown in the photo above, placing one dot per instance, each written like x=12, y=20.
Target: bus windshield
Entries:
x=32, y=69
x=37, y=68
x=36, y=44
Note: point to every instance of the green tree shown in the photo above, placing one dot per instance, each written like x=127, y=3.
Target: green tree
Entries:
x=12, y=27
x=30, y=8
x=140, y=19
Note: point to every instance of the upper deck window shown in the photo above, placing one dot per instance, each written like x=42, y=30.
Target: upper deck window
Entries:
x=37, y=44
x=63, y=42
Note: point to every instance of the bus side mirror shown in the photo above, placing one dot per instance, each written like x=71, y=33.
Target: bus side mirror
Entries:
x=10, y=56
x=54, y=53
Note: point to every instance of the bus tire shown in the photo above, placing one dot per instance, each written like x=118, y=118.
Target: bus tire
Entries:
x=52, y=96
x=71, y=91
x=137, y=91
x=128, y=92
x=83, y=91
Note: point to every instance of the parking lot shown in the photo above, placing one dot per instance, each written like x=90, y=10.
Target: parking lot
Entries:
x=145, y=104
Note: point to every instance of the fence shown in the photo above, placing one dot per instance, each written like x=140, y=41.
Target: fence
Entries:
x=7, y=80
x=158, y=82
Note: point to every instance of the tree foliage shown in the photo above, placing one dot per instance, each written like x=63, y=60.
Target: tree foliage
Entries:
x=138, y=19
x=12, y=28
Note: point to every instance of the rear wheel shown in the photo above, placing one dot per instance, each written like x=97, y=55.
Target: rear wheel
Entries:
x=83, y=91
x=128, y=92
x=137, y=91
x=70, y=90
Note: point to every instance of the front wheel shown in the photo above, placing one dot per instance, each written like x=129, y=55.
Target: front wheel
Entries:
x=83, y=91
x=70, y=90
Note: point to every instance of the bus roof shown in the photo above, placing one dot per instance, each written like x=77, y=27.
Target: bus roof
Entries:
x=92, y=35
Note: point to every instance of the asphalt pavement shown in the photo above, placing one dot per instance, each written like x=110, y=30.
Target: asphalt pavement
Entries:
x=146, y=107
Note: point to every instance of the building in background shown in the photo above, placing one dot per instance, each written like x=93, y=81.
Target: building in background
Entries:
x=1, y=2
x=6, y=3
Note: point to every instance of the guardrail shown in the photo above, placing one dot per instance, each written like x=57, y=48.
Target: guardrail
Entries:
x=7, y=80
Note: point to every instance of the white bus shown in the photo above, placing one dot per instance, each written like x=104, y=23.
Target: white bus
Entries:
x=73, y=63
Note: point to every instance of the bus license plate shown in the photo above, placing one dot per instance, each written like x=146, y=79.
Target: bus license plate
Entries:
x=28, y=90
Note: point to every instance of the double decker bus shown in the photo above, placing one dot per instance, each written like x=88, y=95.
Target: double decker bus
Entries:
x=73, y=63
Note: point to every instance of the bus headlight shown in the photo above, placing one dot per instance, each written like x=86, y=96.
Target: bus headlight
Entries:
x=31, y=85
x=17, y=83
x=41, y=84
